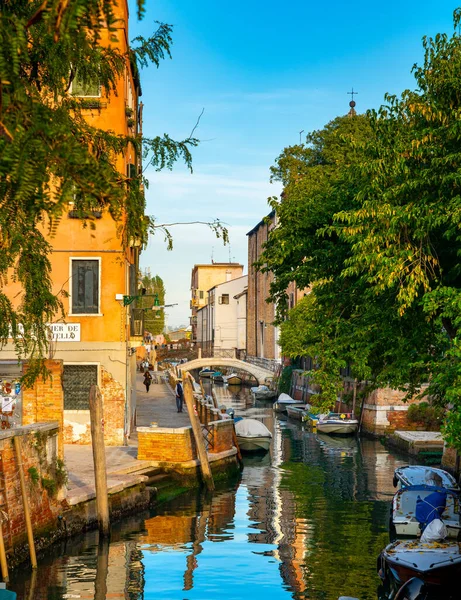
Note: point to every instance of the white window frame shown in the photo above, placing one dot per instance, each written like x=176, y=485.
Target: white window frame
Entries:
x=99, y=313
x=98, y=379
x=81, y=95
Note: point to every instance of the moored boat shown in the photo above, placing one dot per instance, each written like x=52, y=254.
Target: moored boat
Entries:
x=217, y=377
x=252, y=435
x=206, y=372
x=438, y=563
x=232, y=379
x=283, y=401
x=337, y=423
x=421, y=475
x=297, y=411
x=262, y=392
x=404, y=513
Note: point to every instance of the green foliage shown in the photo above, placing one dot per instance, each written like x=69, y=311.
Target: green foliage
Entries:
x=154, y=320
x=61, y=476
x=370, y=225
x=50, y=155
x=430, y=416
x=50, y=486
x=285, y=380
x=34, y=475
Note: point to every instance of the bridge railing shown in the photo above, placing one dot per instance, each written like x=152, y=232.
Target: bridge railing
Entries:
x=218, y=353
x=265, y=363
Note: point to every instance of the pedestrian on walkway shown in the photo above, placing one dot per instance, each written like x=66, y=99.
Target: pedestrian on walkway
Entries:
x=147, y=380
x=179, y=395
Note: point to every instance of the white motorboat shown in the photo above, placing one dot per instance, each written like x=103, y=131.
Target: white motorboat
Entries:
x=422, y=475
x=404, y=510
x=337, y=423
x=252, y=435
x=262, y=392
x=284, y=400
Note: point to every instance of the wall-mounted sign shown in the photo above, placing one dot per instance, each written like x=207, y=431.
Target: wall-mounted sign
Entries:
x=65, y=332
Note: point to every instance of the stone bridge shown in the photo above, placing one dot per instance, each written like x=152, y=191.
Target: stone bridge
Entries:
x=260, y=374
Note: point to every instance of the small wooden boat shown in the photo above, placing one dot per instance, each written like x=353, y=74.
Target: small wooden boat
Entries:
x=337, y=423
x=207, y=372
x=252, y=435
x=262, y=392
x=421, y=475
x=232, y=379
x=297, y=411
x=404, y=510
x=217, y=377
x=284, y=400
x=437, y=563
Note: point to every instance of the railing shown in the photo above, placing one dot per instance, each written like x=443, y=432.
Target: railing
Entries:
x=218, y=353
x=265, y=363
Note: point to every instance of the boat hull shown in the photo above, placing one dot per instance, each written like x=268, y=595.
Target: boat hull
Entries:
x=254, y=444
x=337, y=428
x=296, y=412
x=233, y=380
x=439, y=563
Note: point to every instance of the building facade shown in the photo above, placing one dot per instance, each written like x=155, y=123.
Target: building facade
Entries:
x=93, y=270
x=262, y=334
x=203, y=278
x=220, y=323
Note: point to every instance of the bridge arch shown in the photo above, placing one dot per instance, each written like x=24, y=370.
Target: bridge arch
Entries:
x=261, y=375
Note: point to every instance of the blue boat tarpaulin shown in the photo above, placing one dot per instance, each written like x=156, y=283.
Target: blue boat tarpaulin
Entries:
x=431, y=507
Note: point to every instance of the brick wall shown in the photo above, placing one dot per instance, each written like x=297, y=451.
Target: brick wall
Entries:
x=39, y=452
x=44, y=402
x=222, y=436
x=165, y=444
x=113, y=398
x=385, y=412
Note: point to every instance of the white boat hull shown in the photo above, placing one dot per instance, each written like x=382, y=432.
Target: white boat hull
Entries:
x=253, y=444
x=339, y=428
x=282, y=407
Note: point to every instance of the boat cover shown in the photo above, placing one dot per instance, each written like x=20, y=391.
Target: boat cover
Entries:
x=260, y=388
x=431, y=507
x=286, y=399
x=251, y=428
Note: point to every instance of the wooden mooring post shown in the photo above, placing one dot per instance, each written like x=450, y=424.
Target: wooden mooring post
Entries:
x=99, y=459
x=198, y=435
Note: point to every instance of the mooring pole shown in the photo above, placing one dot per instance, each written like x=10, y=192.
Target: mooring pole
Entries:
x=198, y=435
x=25, y=502
x=99, y=459
x=3, y=562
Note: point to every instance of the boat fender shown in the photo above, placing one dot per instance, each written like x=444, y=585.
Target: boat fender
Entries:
x=343, y=416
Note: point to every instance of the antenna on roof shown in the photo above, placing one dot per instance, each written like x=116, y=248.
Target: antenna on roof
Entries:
x=212, y=254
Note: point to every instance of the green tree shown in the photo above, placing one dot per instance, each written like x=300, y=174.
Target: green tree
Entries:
x=49, y=154
x=154, y=320
x=375, y=236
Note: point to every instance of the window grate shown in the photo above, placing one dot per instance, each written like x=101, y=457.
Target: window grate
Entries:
x=76, y=382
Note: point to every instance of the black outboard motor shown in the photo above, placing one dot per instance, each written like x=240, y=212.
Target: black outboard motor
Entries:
x=230, y=412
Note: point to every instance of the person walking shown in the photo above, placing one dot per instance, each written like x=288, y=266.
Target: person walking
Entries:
x=179, y=395
x=147, y=380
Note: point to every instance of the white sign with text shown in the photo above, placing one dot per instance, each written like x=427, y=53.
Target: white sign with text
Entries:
x=65, y=332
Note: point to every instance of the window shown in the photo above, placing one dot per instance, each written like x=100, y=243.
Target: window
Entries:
x=76, y=382
x=224, y=299
x=85, y=286
x=200, y=294
x=88, y=89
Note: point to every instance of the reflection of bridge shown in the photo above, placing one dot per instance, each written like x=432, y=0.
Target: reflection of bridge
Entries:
x=258, y=373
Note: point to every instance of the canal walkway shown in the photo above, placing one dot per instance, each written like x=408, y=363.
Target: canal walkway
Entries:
x=123, y=468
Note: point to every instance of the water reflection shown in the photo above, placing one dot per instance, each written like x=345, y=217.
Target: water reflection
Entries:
x=306, y=520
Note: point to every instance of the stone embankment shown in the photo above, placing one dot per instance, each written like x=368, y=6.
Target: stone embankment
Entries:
x=159, y=463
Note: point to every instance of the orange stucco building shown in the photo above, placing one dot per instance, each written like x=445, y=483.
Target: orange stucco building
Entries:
x=96, y=340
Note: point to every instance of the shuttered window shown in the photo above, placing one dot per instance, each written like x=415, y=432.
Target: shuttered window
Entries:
x=85, y=286
x=76, y=382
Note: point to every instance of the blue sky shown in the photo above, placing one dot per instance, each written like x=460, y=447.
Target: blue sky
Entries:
x=263, y=71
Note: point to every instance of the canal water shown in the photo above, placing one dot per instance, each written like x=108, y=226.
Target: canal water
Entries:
x=306, y=520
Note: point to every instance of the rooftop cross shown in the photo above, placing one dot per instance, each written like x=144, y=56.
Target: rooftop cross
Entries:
x=353, y=94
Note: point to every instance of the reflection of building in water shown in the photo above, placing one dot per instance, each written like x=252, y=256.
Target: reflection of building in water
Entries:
x=96, y=573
